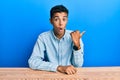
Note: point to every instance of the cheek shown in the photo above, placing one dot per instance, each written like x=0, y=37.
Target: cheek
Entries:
x=55, y=24
x=65, y=23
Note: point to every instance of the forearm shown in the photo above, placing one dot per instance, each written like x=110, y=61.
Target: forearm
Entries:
x=77, y=58
x=37, y=63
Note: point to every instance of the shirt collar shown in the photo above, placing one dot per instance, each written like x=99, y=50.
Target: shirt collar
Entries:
x=56, y=37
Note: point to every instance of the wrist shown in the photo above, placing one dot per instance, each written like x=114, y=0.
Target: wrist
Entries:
x=76, y=47
x=79, y=47
x=58, y=68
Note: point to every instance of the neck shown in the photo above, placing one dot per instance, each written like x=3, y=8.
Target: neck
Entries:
x=59, y=36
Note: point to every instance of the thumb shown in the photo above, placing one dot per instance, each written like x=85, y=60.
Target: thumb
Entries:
x=82, y=33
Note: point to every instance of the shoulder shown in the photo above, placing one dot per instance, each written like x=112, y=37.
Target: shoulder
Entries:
x=69, y=31
x=67, y=35
x=44, y=35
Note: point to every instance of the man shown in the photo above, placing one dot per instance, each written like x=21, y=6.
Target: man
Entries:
x=58, y=49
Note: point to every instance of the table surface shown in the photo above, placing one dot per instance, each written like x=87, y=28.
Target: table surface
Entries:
x=84, y=73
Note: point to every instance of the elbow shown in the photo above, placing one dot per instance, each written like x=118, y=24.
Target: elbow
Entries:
x=31, y=64
x=79, y=63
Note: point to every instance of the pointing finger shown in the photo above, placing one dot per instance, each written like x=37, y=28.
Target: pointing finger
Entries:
x=82, y=33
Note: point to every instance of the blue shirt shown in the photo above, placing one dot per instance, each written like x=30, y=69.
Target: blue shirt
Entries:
x=49, y=52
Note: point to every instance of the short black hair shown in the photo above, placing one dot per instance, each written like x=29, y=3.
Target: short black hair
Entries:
x=58, y=8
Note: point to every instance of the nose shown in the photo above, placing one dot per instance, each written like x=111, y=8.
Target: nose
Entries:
x=60, y=22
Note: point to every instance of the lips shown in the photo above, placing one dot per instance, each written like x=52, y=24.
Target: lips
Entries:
x=60, y=29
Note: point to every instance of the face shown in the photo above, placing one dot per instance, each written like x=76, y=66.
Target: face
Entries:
x=59, y=22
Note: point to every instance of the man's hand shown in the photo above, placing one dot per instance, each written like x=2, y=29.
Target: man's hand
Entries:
x=67, y=69
x=76, y=35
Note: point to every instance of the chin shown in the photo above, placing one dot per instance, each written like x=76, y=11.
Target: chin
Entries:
x=59, y=33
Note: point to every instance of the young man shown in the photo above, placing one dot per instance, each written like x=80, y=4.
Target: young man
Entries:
x=58, y=49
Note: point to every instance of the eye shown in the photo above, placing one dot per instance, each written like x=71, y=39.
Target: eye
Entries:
x=55, y=19
x=64, y=19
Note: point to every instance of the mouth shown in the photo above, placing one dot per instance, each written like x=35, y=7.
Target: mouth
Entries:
x=60, y=29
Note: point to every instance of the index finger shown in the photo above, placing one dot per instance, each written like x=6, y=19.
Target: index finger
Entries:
x=82, y=33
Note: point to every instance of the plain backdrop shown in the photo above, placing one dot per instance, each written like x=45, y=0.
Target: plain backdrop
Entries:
x=21, y=21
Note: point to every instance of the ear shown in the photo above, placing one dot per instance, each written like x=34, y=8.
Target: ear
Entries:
x=51, y=20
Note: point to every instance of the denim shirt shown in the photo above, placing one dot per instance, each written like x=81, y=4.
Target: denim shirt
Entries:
x=49, y=52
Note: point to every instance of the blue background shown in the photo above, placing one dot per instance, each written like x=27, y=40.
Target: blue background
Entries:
x=21, y=21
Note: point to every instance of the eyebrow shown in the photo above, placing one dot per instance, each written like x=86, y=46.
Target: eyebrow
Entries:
x=58, y=16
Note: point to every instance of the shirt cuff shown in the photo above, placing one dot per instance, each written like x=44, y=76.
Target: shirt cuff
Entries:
x=77, y=51
x=54, y=67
